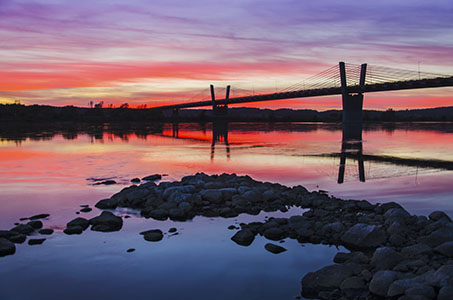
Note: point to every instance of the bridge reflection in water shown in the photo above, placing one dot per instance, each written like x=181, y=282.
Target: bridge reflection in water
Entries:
x=351, y=146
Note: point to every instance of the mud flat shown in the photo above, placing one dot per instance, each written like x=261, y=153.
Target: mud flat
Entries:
x=393, y=254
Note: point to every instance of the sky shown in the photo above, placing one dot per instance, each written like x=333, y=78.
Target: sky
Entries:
x=61, y=52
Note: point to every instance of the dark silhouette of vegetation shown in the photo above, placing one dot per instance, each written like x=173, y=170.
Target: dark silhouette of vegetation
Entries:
x=101, y=113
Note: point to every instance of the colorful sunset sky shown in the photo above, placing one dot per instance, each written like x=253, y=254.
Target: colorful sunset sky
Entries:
x=61, y=52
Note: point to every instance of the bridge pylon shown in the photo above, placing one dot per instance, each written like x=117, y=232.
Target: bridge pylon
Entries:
x=220, y=109
x=352, y=105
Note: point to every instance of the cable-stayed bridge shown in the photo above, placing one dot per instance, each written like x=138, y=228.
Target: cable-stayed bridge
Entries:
x=348, y=80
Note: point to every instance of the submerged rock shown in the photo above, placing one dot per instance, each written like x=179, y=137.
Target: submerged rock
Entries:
x=6, y=247
x=243, y=237
x=153, y=235
x=35, y=224
x=24, y=229
x=106, y=222
x=36, y=241
x=46, y=231
x=153, y=177
x=76, y=229
x=106, y=182
x=276, y=249
x=40, y=216
x=86, y=209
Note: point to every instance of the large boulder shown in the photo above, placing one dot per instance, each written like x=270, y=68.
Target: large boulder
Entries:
x=243, y=237
x=106, y=222
x=362, y=236
x=110, y=203
x=327, y=279
x=212, y=195
x=381, y=282
x=6, y=247
x=385, y=258
x=439, y=236
x=82, y=222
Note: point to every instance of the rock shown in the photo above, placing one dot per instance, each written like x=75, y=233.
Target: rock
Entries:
x=445, y=249
x=445, y=293
x=389, y=205
x=437, y=215
x=439, y=236
x=158, y=214
x=231, y=227
x=442, y=277
x=24, y=229
x=35, y=224
x=36, y=241
x=106, y=222
x=399, y=287
x=106, y=182
x=327, y=279
x=416, y=250
x=135, y=180
x=274, y=248
x=18, y=238
x=171, y=230
x=381, y=282
x=363, y=236
x=396, y=214
x=107, y=203
x=211, y=195
x=177, y=214
x=353, y=283
x=82, y=222
x=6, y=247
x=40, y=216
x=46, y=231
x=421, y=290
x=153, y=177
x=76, y=229
x=274, y=233
x=352, y=257
x=131, y=249
x=243, y=237
x=385, y=258
x=153, y=235
x=86, y=209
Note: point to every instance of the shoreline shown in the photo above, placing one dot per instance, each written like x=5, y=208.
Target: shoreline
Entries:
x=392, y=252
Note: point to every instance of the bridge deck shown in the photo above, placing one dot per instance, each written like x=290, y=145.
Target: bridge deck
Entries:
x=379, y=87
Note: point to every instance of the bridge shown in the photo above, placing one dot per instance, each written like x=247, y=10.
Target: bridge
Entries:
x=348, y=80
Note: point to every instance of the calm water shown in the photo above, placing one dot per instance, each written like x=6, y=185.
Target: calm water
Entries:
x=51, y=171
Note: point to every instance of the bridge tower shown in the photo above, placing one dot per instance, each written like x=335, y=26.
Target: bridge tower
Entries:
x=352, y=123
x=220, y=109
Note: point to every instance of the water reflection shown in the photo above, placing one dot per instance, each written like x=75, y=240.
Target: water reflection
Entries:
x=351, y=146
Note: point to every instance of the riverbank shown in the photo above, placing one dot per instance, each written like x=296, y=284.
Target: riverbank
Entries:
x=393, y=254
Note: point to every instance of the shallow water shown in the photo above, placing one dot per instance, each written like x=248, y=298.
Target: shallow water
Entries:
x=51, y=171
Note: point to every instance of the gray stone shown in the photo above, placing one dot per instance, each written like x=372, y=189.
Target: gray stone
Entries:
x=352, y=257
x=381, y=282
x=40, y=216
x=385, y=258
x=445, y=249
x=86, y=209
x=442, y=277
x=153, y=177
x=416, y=250
x=18, y=238
x=159, y=214
x=24, y=229
x=76, y=229
x=153, y=235
x=422, y=290
x=211, y=195
x=445, y=293
x=6, y=247
x=439, y=236
x=243, y=237
x=82, y=222
x=396, y=214
x=35, y=224
x=274, y=248
x=274, y=233
x=110, y=203
x=413, y=297
x=106, y=222
x=46, y=231
x=327, y=279
x=437, y=215
x=363, y=236
x=177, y=214
x=353, y=283
x=228, y=193
x=36, y=241
x=399, y=287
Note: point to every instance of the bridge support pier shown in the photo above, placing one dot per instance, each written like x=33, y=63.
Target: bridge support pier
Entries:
x=220, y=109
